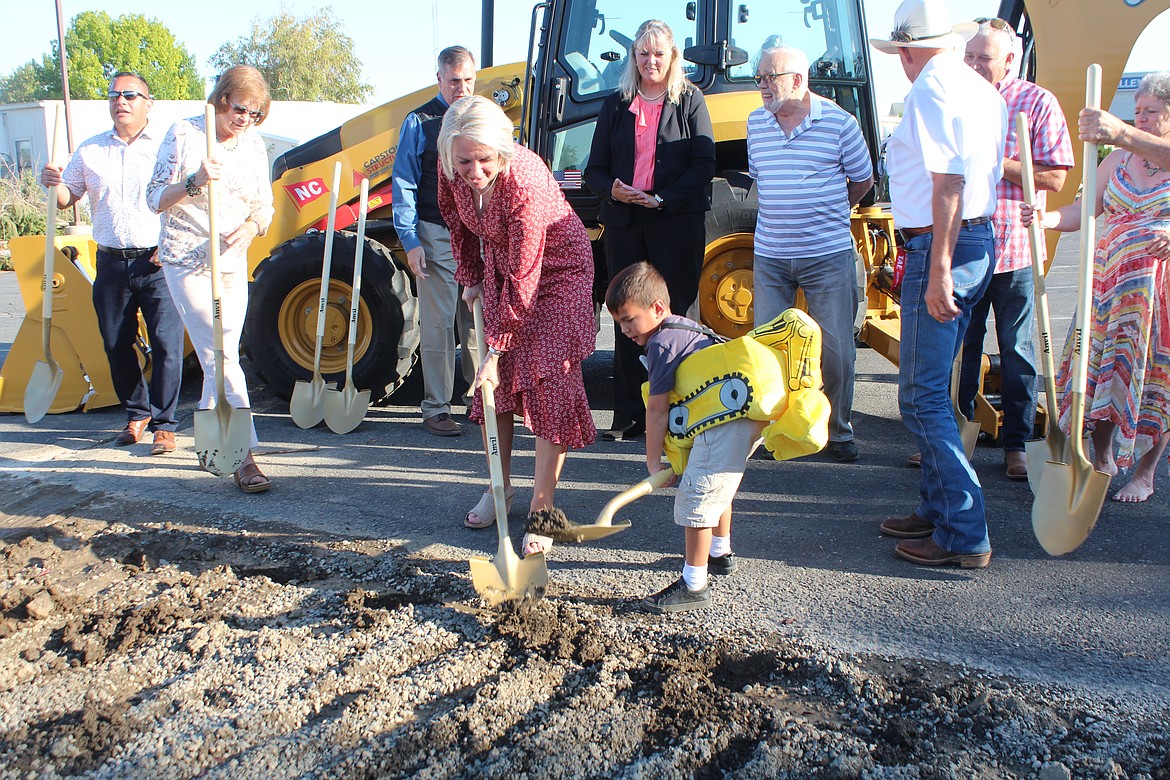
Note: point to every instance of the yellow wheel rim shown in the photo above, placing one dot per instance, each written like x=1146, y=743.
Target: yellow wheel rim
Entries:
x=725, y=285
x=297, y=325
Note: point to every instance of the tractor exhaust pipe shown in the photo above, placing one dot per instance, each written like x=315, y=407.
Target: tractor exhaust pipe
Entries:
x=487, y=33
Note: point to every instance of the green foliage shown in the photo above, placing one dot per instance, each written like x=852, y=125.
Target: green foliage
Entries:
x=22, y=207
x=302, y=59
x=98, y=47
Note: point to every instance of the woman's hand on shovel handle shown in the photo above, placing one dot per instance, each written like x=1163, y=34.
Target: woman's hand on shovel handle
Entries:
x=471, y=293
x=209, y=170
x=488, y=371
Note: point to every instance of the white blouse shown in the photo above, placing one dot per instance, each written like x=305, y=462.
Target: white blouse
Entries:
x=243, y=193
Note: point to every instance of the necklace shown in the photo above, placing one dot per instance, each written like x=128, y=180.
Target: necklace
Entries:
x=1151, y=169
x=649, y=99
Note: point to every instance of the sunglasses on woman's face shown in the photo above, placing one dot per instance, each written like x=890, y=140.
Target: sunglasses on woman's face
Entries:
x=241, y=110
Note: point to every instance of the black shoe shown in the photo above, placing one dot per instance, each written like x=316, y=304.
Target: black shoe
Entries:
x=678, y=598
x=842, y=451
x=624, y=432
x=724, y=564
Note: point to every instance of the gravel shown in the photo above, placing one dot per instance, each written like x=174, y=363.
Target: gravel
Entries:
x=182, y=647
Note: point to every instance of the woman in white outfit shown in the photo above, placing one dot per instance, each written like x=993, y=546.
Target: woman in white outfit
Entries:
x=178, y=191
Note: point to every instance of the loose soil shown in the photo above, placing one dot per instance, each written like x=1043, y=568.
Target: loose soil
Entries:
x=137, y=644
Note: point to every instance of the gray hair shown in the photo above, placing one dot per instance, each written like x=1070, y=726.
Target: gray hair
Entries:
x=654, y=30
x=796, y=58
x=480, y=120
x=1156, y=85
x=454, y=56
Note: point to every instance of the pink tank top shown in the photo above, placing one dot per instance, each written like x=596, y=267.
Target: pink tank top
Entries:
x=646, y=116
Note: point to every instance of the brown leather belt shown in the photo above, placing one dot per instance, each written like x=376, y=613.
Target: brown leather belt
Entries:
x=905, y=234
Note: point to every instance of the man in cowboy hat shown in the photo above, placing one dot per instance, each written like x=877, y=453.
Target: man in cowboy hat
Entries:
x=944, y=161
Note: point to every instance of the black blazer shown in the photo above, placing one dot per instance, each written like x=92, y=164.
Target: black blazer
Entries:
x=683, y=167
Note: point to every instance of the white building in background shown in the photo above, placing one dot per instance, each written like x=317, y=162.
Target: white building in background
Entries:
x=26, y=128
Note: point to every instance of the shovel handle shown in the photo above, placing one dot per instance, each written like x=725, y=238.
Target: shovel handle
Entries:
x=326, y=265
x=356, y=291
x=495, y=466
x=1043, y=322
x=51, y=233
x=631, y=494
x=1085, y=275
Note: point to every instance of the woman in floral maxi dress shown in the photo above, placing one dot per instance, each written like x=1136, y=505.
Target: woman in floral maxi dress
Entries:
x=1128, y=391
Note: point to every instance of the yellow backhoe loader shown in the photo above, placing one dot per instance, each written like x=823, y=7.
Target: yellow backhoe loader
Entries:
x=577, y=51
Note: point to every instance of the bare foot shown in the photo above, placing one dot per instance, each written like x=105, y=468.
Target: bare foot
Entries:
x=1139, y=489
x=1108, y=467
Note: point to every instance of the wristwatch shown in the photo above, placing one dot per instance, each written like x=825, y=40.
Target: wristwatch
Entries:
x=658, y=200
x=192, y=190
x=494, y=351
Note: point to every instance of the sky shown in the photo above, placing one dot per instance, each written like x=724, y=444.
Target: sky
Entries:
x=397, y=45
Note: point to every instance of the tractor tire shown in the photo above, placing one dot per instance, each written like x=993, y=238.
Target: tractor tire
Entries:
x=725, y=281
x=280, y=332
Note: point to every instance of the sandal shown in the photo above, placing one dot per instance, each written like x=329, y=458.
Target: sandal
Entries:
x=250, y=479
x=532, y=544
x=483, y=514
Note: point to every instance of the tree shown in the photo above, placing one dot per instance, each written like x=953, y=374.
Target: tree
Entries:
x=302, y=59
x=97, y=48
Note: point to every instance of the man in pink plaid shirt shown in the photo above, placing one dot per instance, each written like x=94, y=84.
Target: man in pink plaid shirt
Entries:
x=992, y=54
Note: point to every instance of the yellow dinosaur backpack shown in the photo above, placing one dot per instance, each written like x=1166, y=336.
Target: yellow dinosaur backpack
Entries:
x=772, y=373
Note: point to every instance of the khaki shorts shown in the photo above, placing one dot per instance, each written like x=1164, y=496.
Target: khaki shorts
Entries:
x=714, y=471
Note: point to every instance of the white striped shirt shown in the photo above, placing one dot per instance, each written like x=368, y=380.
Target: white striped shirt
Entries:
x=114, y=174
x=802, y=180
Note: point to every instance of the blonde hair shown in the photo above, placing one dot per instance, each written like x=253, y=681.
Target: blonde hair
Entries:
x=654, y=31
x=246, y=83
x=480, y=120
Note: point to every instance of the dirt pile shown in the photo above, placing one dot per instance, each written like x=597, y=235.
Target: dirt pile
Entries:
x=170, y=648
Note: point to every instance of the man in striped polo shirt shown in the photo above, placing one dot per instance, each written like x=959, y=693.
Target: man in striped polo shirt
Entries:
x=811, y=166
x=991, y=53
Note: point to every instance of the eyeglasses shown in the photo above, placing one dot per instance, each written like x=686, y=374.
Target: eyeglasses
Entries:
x=771, y=78
x=241, y=110
x=996, y=24
x=130, y=95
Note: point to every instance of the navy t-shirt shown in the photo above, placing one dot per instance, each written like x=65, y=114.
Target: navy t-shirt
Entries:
x=667, y=348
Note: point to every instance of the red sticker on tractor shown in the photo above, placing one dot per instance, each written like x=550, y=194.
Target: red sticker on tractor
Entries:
x=305, y=192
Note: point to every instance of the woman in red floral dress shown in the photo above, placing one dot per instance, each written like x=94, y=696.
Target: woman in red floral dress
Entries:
x=519, y=245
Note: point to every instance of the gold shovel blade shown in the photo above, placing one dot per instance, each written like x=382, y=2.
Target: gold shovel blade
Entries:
x=509, y=578
x=1067, y=504
x=307, y=405
x=41, y=390
x=223, y=438
x=345, y=409
x=583, y=532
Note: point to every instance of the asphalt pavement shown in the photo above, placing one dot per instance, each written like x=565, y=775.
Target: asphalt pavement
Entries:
x=813, y=562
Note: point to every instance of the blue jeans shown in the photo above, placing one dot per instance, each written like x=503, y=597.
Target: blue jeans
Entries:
x=1010, y=294
x=950, y=495
x=121, y=289
x=830, y=289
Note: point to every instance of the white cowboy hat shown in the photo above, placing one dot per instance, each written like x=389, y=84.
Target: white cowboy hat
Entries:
x=924, y=24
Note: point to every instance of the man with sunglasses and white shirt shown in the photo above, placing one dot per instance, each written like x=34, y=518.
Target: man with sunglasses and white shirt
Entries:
x=113, y=169
x=811, y=166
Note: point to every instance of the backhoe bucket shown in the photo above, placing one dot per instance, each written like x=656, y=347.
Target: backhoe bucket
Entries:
x=604, y=525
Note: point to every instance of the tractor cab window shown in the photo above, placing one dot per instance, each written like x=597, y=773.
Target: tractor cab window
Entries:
x=828, y=31
x=598, y=36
